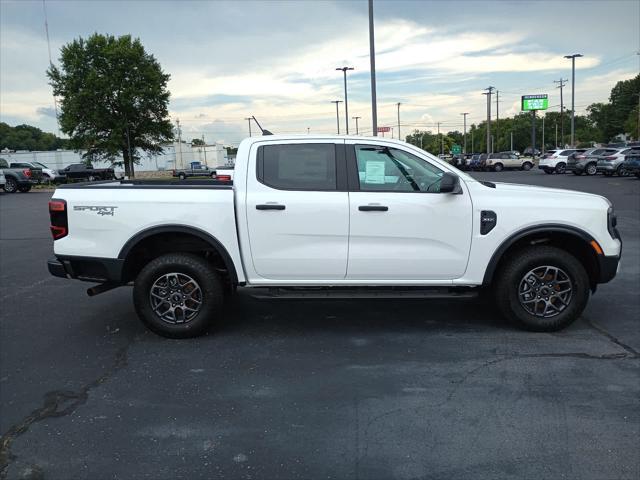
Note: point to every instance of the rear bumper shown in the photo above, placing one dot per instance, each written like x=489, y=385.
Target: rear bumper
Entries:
x=90, y=269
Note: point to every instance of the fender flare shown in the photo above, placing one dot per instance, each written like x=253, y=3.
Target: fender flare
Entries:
x=208, y=238
x=520, y=234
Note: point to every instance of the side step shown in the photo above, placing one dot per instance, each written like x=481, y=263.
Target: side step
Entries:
x=310, y=293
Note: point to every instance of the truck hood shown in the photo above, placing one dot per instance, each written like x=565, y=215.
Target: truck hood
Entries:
x=534, y=191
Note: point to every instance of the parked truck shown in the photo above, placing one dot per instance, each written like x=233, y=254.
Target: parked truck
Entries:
x=335, y=217
x=83, y=172
x=20, y=179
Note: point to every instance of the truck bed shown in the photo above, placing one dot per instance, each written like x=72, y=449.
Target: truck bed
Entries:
x=152, y=184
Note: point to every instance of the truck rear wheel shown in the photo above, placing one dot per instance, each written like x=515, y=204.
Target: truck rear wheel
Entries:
x=178, y=295
x=542, y=289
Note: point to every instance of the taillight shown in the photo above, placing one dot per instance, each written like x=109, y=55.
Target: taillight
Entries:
x=553, y=156
x=610, y=157
x=223, y=178
x=580, y=156
x=58, y=215
x=27, y=172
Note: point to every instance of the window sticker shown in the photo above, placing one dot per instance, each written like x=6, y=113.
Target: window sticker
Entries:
x=374, y=172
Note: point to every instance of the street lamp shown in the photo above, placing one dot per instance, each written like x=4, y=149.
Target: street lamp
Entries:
x=337, y=102
x=573, y=94
x=346, y=104
x=464, y=115
x=356, y=119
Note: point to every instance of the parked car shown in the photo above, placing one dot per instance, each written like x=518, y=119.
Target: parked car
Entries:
x=632, y=163
x=499, y=161
x=48, y=174
x=478, y=162
x=555, y=161
x=612, y=163
x=335, y=216
x=586, y=162
x=19, y=179
x=3, y=180
x=196, y=169
x=81, y=171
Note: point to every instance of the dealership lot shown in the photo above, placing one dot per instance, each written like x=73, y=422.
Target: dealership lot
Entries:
x=315, y=389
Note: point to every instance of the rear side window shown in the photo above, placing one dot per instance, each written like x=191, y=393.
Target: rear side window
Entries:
x=566, y=153
x=298, y=166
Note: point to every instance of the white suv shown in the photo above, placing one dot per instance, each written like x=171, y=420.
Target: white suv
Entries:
x=499, y=161
x=556, y=160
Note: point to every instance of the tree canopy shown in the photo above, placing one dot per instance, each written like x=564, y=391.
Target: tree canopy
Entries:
x=26, y=137
x=113, y=98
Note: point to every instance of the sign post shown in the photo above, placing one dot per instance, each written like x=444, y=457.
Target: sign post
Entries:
x=456, y=149
x=532, y=103
x=384, y=130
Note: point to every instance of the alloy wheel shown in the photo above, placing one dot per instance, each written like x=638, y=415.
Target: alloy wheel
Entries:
x=545, y=291
x=591, y=169
x=176, y=298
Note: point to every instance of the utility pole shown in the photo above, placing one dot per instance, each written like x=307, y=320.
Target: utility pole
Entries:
x=308, y=130
x=497, y=120
x=179, y=142
x=556, y=134
x=562, y=82
x=204, y=149
x=542, y=148
x=638, y=94
x=398, y=104
x=533, y=133
x=372, y=59
x=488, y=94
x=422, y=140
x=346, y=104
x=337, y=102
x=512, y=140
x=249, y=120
x=356, y=119
x=441, y=146
x=573, y=95
x=464, y=116
x=472, y=147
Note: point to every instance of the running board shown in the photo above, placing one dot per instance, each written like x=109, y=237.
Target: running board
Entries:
x=362, y=292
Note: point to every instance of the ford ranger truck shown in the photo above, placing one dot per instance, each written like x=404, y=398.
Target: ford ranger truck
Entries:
x=334, y=216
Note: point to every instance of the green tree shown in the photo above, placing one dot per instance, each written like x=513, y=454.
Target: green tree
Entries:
x=114, y=98
x=197, y=142
x=26, y=137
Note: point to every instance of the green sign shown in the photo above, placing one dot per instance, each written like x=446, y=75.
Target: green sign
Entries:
x=535, y=102
x=456, y=150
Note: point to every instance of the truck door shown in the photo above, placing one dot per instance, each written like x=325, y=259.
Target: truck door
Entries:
x=401, y=227
x=297, y=208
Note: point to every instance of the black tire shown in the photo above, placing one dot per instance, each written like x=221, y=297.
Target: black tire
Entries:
x=638, y=175
x=498, y=167
x=188, y=265
x=182, y=176
x=24, y=188
x=11, y=186
x=561, y=167
x=511, y=275
x=546, y=170
x=577, y=172
x=591, y=169
x=621, y=172
x=526, y=166
x=213, y=175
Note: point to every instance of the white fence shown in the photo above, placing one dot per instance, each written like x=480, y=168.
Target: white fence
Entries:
x=174, y=156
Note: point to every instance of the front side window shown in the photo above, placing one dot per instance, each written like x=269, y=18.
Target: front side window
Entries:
x=298, y=166
x=391, y=169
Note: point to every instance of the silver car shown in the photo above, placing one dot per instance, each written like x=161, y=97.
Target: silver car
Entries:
x=611, y=163
x=3, y=180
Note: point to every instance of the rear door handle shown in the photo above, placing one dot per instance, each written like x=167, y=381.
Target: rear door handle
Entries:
x=270, y=206
x=373, y=208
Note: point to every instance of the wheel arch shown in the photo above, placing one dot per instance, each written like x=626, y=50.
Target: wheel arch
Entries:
x=153, y=235
x=572, y=239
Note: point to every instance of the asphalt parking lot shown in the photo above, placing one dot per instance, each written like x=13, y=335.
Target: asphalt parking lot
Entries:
x=314, y=389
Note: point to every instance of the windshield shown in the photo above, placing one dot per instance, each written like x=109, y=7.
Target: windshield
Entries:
x=40, y=164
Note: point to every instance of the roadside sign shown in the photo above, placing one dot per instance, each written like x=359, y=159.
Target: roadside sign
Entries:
x=535, y=102
x=456, y=150
x=384, y=129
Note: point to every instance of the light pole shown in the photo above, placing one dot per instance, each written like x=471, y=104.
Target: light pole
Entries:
x=337, y=102
x=398, y=104
x=249, y=120
x=464, y=115
x=356, y=119
x=440, y=138
x=573, y=94
x=497, y=139
x=372, y=59
x=346, y=104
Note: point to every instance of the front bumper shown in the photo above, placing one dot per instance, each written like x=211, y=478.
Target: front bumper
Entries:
x=608, y=267
x=605, y=168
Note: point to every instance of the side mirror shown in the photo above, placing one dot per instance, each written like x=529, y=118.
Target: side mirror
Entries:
x=450, y=183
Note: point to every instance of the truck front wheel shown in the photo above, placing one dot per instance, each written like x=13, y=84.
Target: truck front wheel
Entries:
x=178, y=295
x=542, y=288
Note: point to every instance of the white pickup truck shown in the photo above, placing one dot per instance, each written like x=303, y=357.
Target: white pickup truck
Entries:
x=334, y=216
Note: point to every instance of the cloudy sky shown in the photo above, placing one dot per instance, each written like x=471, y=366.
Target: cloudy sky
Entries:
x=276, y=60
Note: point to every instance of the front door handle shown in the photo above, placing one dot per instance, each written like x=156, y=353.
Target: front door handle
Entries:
x=373, y=208
x=270, y=206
